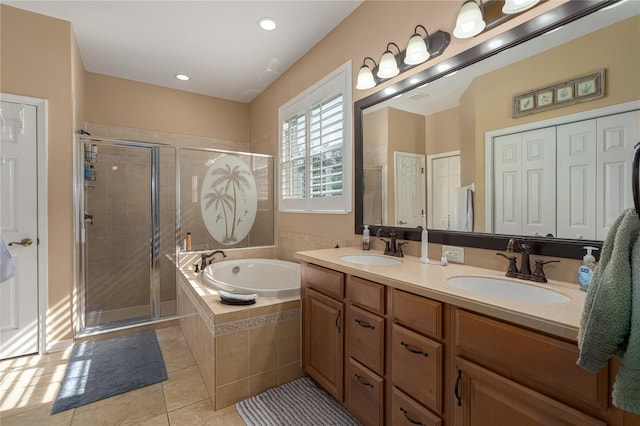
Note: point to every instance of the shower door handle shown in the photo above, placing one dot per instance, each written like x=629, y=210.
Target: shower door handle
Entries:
x=26, y=242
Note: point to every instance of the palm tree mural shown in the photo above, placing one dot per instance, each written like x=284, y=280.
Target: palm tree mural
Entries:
x=228, y=184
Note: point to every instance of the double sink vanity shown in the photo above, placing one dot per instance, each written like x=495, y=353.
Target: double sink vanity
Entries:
x=399, y=342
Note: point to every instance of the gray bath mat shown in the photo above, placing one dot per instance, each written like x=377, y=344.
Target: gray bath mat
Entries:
x=99, y=370
x=296, y=403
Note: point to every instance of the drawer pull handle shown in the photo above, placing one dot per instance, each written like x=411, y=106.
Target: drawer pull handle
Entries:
x=456, y=389
x=362, y=381
x=338, y=315
x=364, y=324
x=408, y=417
x=413, y=350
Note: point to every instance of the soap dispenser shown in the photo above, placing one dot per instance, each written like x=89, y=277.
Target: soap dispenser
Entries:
x=366, y=238
x=585, y=271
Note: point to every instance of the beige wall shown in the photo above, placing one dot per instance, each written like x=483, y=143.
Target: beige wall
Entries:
x=125, y=103
x=37, y=62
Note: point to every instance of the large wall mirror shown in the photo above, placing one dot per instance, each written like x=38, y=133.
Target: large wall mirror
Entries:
x=448, y=122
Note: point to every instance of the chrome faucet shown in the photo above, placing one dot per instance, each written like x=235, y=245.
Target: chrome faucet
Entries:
x=205, y=256
x=391, y=246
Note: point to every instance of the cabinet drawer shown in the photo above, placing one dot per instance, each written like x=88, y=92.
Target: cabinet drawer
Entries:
x=416, y=367
x=324, y=280
x=365, y=394
x=538, y=361
x=418, y=313
x=366, y=338
x=366, y=294
x=405, y=411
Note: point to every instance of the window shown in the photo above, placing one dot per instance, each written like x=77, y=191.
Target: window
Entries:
x=316, y=147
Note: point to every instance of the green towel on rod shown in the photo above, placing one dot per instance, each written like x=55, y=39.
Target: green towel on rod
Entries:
x=610, y=323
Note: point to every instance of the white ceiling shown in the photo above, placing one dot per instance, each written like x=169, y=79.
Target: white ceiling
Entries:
x=217, y=43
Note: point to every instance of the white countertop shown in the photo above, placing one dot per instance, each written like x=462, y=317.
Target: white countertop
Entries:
x=430, y=280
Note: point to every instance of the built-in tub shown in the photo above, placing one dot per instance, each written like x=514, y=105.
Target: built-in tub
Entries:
x=264, y=277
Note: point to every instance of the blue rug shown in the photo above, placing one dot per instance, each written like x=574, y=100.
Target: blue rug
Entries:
x=99, y=370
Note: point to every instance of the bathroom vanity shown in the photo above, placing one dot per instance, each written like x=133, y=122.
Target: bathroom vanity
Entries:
x=398, y=345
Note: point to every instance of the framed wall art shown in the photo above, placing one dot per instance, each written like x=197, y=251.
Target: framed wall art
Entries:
x=560, y=94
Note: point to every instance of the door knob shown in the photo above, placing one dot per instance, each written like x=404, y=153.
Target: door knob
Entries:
x=26, y=242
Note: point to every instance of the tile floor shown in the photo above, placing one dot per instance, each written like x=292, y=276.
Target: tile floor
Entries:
x=29, y=385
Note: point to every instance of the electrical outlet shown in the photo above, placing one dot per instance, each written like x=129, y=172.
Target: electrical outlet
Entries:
x=454, y=254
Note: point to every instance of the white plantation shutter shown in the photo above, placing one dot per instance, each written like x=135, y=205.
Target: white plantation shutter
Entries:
x=315, y=147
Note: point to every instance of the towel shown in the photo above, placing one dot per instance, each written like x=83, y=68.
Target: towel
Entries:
x=610, y=322
x=7, y=264
x=464, y=209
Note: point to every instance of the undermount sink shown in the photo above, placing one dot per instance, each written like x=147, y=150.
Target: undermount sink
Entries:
x=506, y=289
x=370, y=259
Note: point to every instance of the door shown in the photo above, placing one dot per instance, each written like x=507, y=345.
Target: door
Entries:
x=524, y=182
x=19, y=222
x=324, y=344
x=616, y=136
x=409, y=188
x=444, y=173
x=576, y=195
x=485, y=398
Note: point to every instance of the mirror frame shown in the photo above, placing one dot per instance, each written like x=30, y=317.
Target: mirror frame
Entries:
x=555, y=18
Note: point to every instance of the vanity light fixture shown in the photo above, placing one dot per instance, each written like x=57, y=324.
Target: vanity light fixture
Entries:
x=417, y=52
x=365, y=76
x=182, y=77
x=516, y=6
x=388, y=67
x=470, y=21
x=420, y=48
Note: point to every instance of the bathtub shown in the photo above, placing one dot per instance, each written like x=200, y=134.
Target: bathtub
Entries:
x=265, y=277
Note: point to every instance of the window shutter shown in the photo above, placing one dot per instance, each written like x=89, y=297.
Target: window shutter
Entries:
x=315, y=146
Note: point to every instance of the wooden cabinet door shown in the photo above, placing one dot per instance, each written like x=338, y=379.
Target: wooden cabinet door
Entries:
x=483, y=398
x=323, y=341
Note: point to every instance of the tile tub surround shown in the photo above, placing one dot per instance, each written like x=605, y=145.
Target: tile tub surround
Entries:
x=240, y=350
x=562, y=320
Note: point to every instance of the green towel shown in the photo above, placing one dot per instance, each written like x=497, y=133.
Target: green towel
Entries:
x=610, y=325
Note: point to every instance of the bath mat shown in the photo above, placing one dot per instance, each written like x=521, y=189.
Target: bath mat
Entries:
x=99, y=370
x=296, y=403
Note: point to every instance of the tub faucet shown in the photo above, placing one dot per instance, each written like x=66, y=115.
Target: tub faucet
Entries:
x=205, y=256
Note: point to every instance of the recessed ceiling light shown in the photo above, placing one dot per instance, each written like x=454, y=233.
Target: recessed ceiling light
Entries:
x=267, y=24
x=182, y=77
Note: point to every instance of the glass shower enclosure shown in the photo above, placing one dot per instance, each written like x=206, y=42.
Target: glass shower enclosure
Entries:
x=128, y=233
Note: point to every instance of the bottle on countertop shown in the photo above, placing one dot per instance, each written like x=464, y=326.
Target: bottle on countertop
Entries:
x=366, y=238
x=188, y=241
x=585, y=271
x=424, y=245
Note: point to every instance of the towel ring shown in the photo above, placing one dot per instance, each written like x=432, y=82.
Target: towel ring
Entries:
x=636, y=178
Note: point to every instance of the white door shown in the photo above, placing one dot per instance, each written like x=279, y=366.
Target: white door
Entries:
x=524, y=182
x=409, y=188
x=19, y=224
x=444, y=180
x=576, y=170
x=617, y=135
x=539, y=182
x=507, y=177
